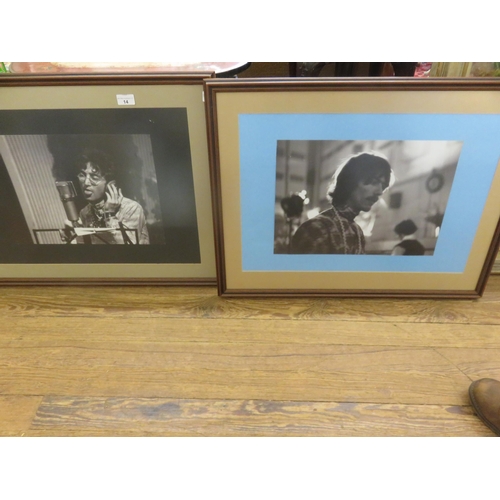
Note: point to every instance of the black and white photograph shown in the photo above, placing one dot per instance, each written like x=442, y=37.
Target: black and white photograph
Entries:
x=98, y=186
x=71, y=188
x=362, y=197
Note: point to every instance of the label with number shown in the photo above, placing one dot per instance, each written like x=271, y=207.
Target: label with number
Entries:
x=125, y=99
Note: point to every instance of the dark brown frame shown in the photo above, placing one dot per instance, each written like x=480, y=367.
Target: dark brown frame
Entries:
x=126, y=80
x=216, y=90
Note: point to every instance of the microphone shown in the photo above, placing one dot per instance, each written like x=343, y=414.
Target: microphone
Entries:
x=68, y=196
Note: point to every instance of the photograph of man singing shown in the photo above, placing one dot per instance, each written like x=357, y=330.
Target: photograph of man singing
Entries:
x=106, y=206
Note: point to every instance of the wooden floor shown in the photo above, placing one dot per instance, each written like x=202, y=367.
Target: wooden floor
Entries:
x=162, y=361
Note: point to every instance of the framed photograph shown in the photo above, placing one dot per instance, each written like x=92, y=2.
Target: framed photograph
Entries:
x=355, y=187
x=105, y=179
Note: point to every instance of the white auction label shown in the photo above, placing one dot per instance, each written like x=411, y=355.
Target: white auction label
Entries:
x=125, y=99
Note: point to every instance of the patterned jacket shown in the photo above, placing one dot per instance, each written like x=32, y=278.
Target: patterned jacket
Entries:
x=130, y=215
x=330, y=232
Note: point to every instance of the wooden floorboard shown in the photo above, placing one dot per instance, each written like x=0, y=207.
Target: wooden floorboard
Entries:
x=16, y=413
x=203, y=302
x=174, y=361
x=283, y=372
x=147, y=333
x=173, y=417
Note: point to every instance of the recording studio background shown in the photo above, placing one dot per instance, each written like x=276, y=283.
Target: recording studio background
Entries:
x=32, y=163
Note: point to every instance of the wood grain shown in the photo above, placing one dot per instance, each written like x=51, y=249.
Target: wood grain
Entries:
x=475, y=363
x=203, y=302
x=174, y=417
x=16, y=413
x=147, y=333
x=298, y=372
x=116, y=361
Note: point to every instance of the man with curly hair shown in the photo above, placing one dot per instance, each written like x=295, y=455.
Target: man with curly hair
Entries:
x=107, y=207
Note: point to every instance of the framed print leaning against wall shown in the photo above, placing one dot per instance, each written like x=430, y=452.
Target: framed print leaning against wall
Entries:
x=104, y=178
x=355, y=187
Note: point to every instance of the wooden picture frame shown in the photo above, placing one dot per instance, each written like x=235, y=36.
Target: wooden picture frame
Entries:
x=149, y=132
x=496, y=265
x=275, y=144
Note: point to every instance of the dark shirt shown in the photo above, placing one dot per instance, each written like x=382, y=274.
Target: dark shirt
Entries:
x=325, y=234
x=411, y=247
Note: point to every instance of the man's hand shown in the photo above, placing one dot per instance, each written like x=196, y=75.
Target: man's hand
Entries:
x=114, y=198
x=68, y=233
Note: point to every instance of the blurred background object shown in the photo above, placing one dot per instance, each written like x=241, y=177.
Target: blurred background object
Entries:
x=465, y=69
x=351, y=69
x=269, y=69
x=221, y=69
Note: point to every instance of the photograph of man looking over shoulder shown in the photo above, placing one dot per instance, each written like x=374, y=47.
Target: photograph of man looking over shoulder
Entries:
x=356, y=186
x=348, y=197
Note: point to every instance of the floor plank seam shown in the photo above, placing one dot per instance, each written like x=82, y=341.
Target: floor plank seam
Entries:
x=126, y=315
x=377, y=348
x=451, y=362
x=125, y=318
x=238, y=400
